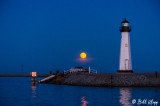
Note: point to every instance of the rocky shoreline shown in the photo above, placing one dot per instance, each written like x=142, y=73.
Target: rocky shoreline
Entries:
x=108, y=79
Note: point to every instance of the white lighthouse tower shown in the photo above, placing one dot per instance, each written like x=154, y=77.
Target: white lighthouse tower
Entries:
x=125, y=63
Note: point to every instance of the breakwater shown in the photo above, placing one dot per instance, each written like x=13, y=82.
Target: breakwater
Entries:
x=23, y=75
x=109, y=79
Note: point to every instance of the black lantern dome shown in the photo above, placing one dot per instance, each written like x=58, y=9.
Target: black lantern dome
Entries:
x=125, y=26
x=125, y=21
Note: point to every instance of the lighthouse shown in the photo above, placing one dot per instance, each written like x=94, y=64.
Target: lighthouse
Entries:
x=125, y=62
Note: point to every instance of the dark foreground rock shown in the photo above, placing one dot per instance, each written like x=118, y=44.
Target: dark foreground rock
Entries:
x=109, y=80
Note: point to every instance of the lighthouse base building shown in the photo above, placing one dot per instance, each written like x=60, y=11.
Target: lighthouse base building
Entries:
x=125, y=62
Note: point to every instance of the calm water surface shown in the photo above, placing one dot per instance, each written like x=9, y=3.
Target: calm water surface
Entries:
x=17, y=91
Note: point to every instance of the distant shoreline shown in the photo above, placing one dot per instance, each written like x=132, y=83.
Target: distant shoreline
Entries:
x=22, y=75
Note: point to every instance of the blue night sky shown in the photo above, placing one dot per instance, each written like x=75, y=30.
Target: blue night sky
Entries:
x=49, y=35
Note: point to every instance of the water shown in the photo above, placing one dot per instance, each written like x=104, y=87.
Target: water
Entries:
x=17, y=91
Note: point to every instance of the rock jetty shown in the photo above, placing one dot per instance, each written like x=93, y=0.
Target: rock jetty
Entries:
x=108, y=79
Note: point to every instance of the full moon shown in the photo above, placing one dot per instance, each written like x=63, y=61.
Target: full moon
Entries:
x=83, y=55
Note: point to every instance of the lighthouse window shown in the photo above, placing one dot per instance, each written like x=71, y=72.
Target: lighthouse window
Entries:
x=126, y=45
x=125, y=24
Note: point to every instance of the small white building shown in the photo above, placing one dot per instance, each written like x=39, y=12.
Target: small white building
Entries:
x=79, y=69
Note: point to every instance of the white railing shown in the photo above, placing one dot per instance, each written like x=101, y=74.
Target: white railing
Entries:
x=47, y=78
x=66, y=71
x=93, y=71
